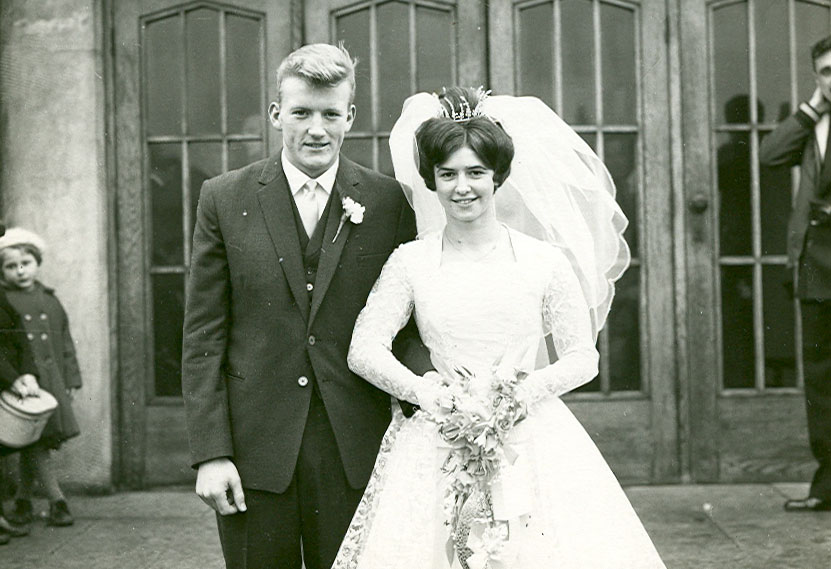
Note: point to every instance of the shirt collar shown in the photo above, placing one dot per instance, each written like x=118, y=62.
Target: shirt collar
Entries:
x=298, y=179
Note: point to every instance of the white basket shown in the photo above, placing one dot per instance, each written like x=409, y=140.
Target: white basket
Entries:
x=22, y=419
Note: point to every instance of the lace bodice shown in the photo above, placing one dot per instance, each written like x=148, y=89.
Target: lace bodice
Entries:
x=472, y=314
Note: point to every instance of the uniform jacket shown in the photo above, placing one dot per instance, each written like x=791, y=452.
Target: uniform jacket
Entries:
x=793, y=143
x=253, y=339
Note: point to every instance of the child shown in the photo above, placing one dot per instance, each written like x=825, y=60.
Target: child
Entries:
x=47, y=328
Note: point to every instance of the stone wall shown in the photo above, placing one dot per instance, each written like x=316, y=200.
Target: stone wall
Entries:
x=53, y=181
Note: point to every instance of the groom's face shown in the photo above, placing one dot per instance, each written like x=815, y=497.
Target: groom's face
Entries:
x=314, y=121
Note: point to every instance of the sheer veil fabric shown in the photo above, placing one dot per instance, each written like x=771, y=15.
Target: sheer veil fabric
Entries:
x=558, y=190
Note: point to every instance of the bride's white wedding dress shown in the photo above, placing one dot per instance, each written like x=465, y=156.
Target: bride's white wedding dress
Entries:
x=576, y=516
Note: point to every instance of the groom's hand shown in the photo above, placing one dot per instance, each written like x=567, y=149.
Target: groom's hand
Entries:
x=218, y=484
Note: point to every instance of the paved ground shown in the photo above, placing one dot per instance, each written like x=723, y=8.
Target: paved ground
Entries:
x=701, y=527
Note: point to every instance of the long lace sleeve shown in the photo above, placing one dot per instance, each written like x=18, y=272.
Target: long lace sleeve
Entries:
x=387, y=310
x=566, y=317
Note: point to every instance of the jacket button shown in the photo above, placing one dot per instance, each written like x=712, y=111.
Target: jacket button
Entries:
x=30, y=336
x=310, y=287
x=312, y=340
x=302, y=381
x=43, y=316
x=27, y=317
x=44, y=336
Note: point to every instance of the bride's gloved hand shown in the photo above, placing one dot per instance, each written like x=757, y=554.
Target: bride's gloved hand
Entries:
x=430, y=392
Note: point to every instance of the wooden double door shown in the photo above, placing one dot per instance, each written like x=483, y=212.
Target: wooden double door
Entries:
x=193, y=81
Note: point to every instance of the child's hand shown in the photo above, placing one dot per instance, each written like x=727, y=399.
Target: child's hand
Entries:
x=26, y=386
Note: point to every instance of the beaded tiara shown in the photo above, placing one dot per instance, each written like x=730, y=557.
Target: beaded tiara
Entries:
x=464, y=112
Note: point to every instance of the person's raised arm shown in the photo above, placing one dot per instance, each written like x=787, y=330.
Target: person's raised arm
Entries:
x=784, y=146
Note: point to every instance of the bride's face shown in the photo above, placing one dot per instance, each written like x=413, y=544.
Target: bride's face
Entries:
x=465, y=186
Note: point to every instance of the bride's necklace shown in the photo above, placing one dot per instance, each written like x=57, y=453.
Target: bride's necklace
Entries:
x=475, y=255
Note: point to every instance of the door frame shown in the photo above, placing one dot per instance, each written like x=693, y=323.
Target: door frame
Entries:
x=151, y=437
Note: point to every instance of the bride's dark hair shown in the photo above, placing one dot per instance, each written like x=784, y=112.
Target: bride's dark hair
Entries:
x=439, y=137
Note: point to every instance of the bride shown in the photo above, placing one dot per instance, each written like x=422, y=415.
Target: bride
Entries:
x=520, y=238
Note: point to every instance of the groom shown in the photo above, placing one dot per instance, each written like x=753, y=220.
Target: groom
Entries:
x=285, y=252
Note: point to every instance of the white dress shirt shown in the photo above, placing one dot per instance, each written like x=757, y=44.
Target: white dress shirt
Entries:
x=310, y=202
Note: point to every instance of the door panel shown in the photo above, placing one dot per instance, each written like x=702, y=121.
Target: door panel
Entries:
x=747, y=408
x=598, y=64
x=402, y=47
x=192, y=83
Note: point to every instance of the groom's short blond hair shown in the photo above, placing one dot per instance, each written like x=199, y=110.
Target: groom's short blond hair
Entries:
x=320, y=65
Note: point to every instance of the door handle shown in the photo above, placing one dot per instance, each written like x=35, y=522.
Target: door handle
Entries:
x=698, y=203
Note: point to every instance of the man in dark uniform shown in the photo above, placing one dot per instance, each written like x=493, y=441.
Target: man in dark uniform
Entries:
x=805, y=139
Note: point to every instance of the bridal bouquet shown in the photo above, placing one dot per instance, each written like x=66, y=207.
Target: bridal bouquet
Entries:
x=477, y=428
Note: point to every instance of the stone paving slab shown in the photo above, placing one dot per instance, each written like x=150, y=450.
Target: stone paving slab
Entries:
x=733, y=527
x=140, y=530
x=701, y=527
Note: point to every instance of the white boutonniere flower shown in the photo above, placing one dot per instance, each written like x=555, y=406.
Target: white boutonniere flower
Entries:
x=352, y=211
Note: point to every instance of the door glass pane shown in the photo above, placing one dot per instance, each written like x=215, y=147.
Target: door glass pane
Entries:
x=773, y=76
x=590, y=138
x=243, y=64
x=242, y=153
x=168, y=315
x=165, y=185
x=624, y=333
x=775, y=203
x=737, y=326
x=617, y=32
x=780, y=363
x=730, y=58
x=734, y=187
x=359, y=150
x=578, y=62
x=620, y=157
x=393, y=61
x=536, y=64
x=384, y=157
x=205, y=161
x=434, y=63
x=203, y=77
x=163, y=68
x=171, y=60
x=353, y=30
x=811, y=25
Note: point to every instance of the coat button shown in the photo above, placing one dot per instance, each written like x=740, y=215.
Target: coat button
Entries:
x=43, y=316
x=303, y=381
x=310, y=287
x=30, y=336
x=312, y=340
x=27, y=316
x=44, y=336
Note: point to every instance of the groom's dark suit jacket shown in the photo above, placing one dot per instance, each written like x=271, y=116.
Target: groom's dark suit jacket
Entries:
x=257, y=342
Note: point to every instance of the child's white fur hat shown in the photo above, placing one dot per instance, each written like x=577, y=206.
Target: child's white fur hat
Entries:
x=18, y=236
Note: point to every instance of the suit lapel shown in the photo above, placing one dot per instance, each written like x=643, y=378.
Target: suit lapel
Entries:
x=274, y=201
x=346, y=185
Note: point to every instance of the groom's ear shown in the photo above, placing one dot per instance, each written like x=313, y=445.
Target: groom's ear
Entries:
x=274, y=115
x=350, y=116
